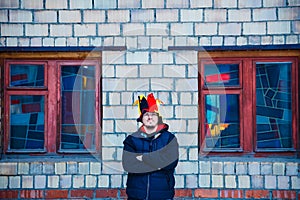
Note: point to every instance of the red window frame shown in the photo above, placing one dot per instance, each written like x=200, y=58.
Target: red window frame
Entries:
x=51, y=92
x=247, y=100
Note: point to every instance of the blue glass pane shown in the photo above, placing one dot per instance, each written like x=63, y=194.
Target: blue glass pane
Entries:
x=222, y=124
x=27, y=75
x=78, y=107
x=273, y=109
x=221, y=75
x=27, y=122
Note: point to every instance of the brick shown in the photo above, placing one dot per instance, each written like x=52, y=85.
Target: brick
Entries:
x=178, y=29
x=216, y=15
x=270, y=182
x=116, y=181
x=249, y=4
x=186, y=85
x=118, y=15
x=278, y=27
x=133, y=29
x=235, y=194
x=283, y=182
x=23, y=168
x=187, y=168
x=188, y=15
x=230, y=181
x=27, y=181
x=284, y=194
x=93, y=16
x=112, y=167
x=80, y=4
x=14, y=182
x=65, y=181
x=153, y=4
x=3, y=182
x=258, y=28
x=241, y=168
x=129, y=4
x=83, y=168
x=56, y=4
x=161, y=58
x=191, y=181
x=82, y=193
x=40, y=181
x=225, y=4
x=137, y=57
x=78, y=181
x=177, y=4
x=278, y=168
x=288, y=13
x=9, y=194
x=257, y=181
x=264, y=14
x=53, y=182
x=296, y=27
x=114, y=85
x=295, y=182
x=11, y=29
x=158, y=29
x=103, y=181
x=206, y=28
x=274, y=3
x=257, y=194
x=244, y=181
x=230, y=29
x=254, y=168
x=10, y=4
x=3, y=16
x=291, y=169
x=217, y=167
x=32, y=194
x=106, y=193
x=60, y=168
x=100, y=4
x=126, y=71
x=95, y=168
x=55, y=30
x=217, y=181
x=32, y=4
x=8, y=168
x=201, y=4
x=72, y=16
x=85, y=30
x=90, y=181
x=167, y=15
x=206, y=193
x=20, y=16
x=108, y=29
x=150, y=71
x=242, y=15
x=183, y=193
x=56, y=194
x=142, y=16
x=72, y=167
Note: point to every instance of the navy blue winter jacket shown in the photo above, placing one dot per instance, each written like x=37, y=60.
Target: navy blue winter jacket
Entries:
x=153, y=177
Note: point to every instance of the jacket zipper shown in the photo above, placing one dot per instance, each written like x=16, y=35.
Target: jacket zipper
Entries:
x=148, y=177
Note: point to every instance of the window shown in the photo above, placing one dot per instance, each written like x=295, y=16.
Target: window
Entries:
x=52, y=106
x=248, y=103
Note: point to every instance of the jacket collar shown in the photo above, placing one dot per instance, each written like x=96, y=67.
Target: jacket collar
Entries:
x=160, y=128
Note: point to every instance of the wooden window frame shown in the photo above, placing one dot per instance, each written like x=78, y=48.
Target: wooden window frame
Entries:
x=51, y=93
x=248, y=100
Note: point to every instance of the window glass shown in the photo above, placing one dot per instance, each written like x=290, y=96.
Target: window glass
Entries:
x=78, y=107
x=27, y=122
x=222, y=121
x=221, y=74
x=26, y=75
x=273, y=105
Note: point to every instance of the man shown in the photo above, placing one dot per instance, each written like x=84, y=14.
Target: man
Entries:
x=150, y=155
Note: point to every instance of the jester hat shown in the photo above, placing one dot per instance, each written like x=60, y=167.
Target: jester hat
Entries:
x=149, y=104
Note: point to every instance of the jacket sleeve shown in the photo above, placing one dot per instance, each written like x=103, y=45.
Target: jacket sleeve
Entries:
x=165, y=158
x=129, y=161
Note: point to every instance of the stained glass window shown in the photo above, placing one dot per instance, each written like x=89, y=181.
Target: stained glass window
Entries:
x=273, y=105
x=221, y=74
x=222, y=121
x=78, y=107
x=26, y=75
x=27, y=122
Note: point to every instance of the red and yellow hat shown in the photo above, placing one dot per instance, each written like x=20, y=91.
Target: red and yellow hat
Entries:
x=149, y=104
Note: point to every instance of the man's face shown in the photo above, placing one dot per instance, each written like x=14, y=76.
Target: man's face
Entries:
x=150, y=119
